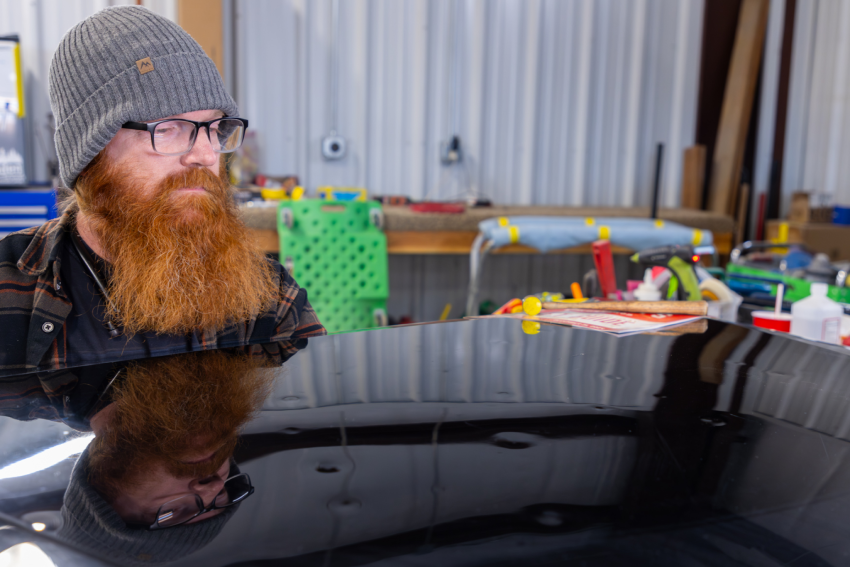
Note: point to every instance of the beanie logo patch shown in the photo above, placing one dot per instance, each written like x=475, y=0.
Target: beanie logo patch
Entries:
x=144, y=65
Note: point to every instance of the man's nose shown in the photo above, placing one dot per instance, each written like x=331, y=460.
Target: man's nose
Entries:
x=202, y=153
x=207, y=488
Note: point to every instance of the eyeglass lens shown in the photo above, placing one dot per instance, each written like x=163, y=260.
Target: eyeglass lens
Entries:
x=174, y=137
x=183, y=509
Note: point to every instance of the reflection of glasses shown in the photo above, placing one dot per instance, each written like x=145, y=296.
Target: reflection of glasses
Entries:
x=181, y=510
x=176, y=136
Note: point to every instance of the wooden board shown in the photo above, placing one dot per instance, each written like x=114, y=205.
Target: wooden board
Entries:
x=693, y=177
x=460, y=242
x=743, y=207
x=737, y=106
x=202, y=19
x=268, y=240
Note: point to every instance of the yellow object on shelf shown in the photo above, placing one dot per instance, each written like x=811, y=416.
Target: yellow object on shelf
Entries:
x=281, y=194
x=331, y=193
x=278, y=194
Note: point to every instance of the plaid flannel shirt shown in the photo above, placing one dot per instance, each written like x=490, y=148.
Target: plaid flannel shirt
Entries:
x=33, y=310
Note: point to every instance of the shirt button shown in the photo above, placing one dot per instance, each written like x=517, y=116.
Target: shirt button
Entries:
x=47, y=327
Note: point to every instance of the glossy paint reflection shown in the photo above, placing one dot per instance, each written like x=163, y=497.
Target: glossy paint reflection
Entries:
x=473, y=443
x=143, y=490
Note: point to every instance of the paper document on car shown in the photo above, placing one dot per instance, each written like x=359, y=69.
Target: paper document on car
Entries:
x=616, y=323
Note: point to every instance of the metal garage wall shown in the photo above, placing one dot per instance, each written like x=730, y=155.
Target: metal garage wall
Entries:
x=556, y=101
x=818, y=131
x=41, y=24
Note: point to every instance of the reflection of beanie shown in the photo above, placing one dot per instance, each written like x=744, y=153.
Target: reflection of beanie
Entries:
x=124, y=64
x=91, y=523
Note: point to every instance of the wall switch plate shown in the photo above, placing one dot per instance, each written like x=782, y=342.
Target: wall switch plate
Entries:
x=450, y=151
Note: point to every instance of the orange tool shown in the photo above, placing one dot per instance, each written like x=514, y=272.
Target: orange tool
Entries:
x=576, y=289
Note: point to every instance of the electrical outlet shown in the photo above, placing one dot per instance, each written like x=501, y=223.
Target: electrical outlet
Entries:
x=450, y=151
x=333, y=147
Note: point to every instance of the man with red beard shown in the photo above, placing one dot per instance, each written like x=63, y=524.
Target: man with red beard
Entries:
x=150, y=258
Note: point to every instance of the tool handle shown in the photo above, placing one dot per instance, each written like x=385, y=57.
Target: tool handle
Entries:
x=698, y=308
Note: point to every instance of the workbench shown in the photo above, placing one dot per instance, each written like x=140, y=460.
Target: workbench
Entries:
x=435, y=233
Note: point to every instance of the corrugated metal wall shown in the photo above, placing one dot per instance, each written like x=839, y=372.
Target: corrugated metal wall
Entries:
x=555, y=101
x=818, y=131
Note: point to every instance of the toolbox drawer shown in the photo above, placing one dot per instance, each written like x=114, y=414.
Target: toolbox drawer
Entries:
x=20, y=209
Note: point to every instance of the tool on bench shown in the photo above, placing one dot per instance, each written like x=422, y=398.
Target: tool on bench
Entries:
x=576, y=289
x=678, y=259
x=533, y=306
x=604, y=263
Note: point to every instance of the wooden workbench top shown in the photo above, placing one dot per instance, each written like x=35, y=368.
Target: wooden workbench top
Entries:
x=402, y=219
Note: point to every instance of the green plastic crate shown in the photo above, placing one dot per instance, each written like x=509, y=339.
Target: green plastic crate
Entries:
x=337, y=251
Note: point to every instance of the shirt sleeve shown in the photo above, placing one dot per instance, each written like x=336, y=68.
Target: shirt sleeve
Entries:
x=295, y=317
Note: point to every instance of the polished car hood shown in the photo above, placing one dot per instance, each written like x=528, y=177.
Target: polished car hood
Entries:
x=472, y=443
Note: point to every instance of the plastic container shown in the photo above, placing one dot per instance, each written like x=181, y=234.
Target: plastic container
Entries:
x=841, y=215
x=647, y=291
x=774, y=321
x=723, y=303
x=817, y=317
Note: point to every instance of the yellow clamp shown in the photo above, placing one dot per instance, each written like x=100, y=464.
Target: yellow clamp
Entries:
x=503, y=221
x=604, y=233
x=659, y=223
x=589, y=221
x=697, y=238
x=513, y=231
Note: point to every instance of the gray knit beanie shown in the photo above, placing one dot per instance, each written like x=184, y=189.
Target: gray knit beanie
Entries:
x=91, y=523
x=123, y=64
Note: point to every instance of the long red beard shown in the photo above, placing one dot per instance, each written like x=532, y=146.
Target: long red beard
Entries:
x=179, y=262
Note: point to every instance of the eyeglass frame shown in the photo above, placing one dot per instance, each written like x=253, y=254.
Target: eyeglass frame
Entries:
x=202, y=509
x=151, y=126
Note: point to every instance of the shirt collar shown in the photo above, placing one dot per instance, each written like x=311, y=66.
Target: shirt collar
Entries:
x=43, y=248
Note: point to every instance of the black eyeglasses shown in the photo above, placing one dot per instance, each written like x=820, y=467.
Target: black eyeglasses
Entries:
x=176, y=136
x=180, y=510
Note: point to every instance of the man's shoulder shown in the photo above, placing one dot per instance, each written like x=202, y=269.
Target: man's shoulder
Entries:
x=13, y=245
x=28, y=250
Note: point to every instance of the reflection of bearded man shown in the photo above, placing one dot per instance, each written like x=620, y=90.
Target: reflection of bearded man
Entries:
x=179, y=260
x=174, y=419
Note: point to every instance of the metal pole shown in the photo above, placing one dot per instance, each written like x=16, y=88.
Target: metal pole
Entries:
x=334, y=66
x=658, y=161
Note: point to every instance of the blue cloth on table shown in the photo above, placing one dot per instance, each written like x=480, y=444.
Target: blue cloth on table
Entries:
x=554, y=233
